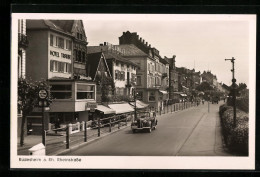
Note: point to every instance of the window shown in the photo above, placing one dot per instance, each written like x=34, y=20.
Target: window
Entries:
x=78, y=56
x=151, y=96
x=75, y=55
x=116, y=75
x=139, y=81
x=61, y=91
x=61, y=43
x=51, y=40
x=83, y=57
x=78, y=35
x=68, y=45
x=122, y=75
x=56, y=41
x=61, y=67
x=54, y=66
x=85, y=91
x=67, y=68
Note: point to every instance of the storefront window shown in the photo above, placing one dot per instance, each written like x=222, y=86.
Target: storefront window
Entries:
x=85, y=91
x=61, y=91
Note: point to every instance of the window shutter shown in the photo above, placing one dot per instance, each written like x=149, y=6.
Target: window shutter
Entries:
x=69, y=68
x=51, y=65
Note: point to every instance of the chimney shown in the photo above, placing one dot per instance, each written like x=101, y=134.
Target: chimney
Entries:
x=100, y=44
x=141, y=39
x=146, y=43
x=149, y=45
x=123, y=33
x=105, y=43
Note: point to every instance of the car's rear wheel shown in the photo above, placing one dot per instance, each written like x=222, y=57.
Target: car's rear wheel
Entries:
x=133, y=130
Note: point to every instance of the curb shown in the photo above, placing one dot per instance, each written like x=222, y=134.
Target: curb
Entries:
x=64, y=152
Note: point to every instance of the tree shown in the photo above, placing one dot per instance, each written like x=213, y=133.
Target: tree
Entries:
x=204, y=86
x=28, y=99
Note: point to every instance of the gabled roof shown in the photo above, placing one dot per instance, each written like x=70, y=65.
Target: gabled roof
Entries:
x=93, y=62
x=132, y=50
x=115, y=56
x=59, y=25
x=109, y=54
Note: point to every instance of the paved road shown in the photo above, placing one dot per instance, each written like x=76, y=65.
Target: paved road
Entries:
x=193, y=131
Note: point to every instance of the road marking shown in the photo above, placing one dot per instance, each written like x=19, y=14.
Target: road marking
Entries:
x=190, y=134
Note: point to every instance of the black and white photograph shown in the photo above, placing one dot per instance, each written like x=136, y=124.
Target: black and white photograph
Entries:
x=133, y=91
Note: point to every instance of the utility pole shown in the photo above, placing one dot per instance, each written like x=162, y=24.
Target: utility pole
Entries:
x=135, y=103
x=233, y=89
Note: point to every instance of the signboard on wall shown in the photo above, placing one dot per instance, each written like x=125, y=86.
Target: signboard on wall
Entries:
x=91, y=106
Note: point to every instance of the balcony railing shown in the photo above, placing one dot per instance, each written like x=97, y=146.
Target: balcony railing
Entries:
x=22, y=40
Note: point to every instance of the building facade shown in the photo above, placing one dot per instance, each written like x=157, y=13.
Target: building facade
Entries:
x=122, y=70
x=22, y=46
x=57, y=53
x=153, y=73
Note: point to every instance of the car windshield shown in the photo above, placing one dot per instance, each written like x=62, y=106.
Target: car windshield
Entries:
x=144, y=115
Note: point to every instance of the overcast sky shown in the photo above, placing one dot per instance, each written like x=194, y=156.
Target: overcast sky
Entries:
x=202, y=41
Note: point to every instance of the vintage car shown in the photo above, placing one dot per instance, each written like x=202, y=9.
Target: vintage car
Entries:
x=144, y=121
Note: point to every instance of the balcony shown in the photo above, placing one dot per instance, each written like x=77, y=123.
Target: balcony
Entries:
x=22, y=40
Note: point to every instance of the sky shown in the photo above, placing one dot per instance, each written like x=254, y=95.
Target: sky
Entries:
x=202, y=42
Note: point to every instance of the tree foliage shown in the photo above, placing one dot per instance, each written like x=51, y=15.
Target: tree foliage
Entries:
x=28, y=99
x=204, y=86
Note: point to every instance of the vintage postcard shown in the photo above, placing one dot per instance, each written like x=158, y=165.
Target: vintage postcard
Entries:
x=133, y=91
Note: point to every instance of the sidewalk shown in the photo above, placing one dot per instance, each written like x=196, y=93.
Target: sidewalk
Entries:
x=57, y=144
x=206, y=138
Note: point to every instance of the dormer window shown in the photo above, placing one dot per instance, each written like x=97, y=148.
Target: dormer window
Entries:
x=79, y=36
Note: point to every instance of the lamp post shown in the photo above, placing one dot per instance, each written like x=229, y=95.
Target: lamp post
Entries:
x=233, y=89
x=135, y=116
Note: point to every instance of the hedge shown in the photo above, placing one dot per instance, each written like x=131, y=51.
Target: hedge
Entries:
x=236, y=138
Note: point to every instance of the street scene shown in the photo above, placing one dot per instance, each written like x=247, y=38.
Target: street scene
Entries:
x=88, y=91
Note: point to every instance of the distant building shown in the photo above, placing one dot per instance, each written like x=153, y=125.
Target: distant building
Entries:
x=153, y=73
x=123, y=71
x=210, y=78
x=173, y=78
x=100, y=74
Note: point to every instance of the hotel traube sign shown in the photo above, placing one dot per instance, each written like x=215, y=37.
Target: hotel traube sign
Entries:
x=57, y=54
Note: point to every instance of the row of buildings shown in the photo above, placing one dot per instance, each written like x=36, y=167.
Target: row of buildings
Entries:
x=107, y=74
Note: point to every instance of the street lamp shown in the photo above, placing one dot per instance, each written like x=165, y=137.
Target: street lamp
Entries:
x=233, y=89
x=135, y=116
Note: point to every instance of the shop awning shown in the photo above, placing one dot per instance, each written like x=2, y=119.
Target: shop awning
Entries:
x=121, y=108
x=139, y=104
x=163, y=92
x=183, y=94
x=105, y=109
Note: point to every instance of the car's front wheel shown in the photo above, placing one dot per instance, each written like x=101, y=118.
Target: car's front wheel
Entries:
x=150, y=130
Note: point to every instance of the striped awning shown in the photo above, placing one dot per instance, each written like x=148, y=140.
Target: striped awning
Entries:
x=121, y=108
x=105, y=109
